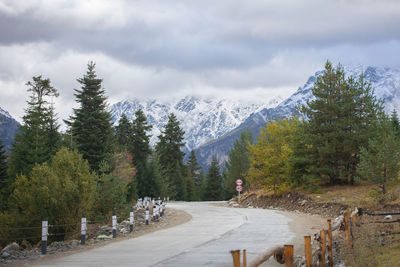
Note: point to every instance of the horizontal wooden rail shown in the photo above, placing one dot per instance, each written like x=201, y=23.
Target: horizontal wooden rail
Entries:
x=276, y=251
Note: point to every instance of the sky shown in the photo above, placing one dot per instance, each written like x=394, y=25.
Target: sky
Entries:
x=248, y=50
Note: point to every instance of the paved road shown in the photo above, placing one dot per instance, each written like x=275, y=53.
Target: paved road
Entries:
x=203, y=241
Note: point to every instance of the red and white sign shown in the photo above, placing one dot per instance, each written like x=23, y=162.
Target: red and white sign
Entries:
x=239, y=188
x=239, y=182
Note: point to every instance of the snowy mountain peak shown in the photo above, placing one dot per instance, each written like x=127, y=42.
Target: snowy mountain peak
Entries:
x=384, y=81
x=202, y=119
x=5, y=113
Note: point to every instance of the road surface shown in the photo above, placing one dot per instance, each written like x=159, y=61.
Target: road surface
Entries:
x=203, y=241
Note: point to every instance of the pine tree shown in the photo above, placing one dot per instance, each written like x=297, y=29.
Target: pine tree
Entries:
x=380, y=160
x=38, y=137
x=193, y=184
x=171, y=157
x=4, y=181
x=140, y=149
x=339, y=122
x=123, y=132
x=300, y=162
x=162, y=186
x=213, y=189
x=395, y=124
x=91, y=122
x=238, y=162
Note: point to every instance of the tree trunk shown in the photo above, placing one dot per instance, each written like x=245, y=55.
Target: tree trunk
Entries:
x=384, y=179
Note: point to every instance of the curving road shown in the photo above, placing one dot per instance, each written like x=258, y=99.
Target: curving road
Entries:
x=203, y=241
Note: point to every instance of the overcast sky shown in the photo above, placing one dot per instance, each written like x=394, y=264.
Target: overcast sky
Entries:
x=171, y=48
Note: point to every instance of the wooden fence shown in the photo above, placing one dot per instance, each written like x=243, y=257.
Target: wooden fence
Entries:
x=320, y=256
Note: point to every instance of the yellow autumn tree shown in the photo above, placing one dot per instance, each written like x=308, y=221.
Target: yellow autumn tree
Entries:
x=269, y=157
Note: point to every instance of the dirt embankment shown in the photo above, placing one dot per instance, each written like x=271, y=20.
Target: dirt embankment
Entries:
x=292, y=202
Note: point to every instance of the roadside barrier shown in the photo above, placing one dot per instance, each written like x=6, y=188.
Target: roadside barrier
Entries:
x=80, y=228
x=320, y=256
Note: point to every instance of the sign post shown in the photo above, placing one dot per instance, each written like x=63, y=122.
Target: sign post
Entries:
x=239, y=187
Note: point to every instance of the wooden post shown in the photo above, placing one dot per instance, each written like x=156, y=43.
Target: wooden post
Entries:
x=330, y=243
x=323, y=248
x=288, y=255
x=352, y=228
x=347, y=229
x=236, y=258
x=244, y=258
x=308, y=250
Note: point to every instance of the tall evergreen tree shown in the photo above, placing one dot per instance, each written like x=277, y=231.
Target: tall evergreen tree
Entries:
x=193, y=184
x=38, y=137
x=339, y=122
x=140, y=149
x=4, y=181
x=91, y=122
x=238, y=162
x=123, y=132
x=213, y=189
x=380, y=160
x=171, y=157
x=395, y=124
x=300, y=161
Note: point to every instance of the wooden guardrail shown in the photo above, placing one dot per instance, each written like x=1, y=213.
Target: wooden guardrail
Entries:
x=319, y=257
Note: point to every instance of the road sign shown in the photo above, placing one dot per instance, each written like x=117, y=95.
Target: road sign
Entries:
x=239, y=188
x=239, y=182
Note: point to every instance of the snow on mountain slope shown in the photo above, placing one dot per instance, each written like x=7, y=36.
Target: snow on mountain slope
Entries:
x=8, y=127
x=5, y=113
x=384, y=81
x=202, y=119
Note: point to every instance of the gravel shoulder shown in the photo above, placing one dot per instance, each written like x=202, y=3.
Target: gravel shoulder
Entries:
x=303, y=225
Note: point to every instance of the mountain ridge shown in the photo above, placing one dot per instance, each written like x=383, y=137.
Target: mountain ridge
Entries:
x=8, y=128
x=384, y=80
x=202, y=119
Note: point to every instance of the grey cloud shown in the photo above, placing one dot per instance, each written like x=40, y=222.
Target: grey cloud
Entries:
x=208, y=34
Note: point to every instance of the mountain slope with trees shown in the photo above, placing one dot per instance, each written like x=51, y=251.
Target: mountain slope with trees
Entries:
x=384, y=81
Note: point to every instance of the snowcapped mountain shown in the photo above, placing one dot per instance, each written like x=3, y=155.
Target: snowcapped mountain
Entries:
x=4, y=113
x=384, y=81
x=202, y=119
x=8, y=127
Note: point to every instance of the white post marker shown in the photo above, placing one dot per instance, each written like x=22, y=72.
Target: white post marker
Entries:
x=147, y=216
x=45, y=232
x=114, y=225
x=131, y=218
x=83, y=230
x=239, y=187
